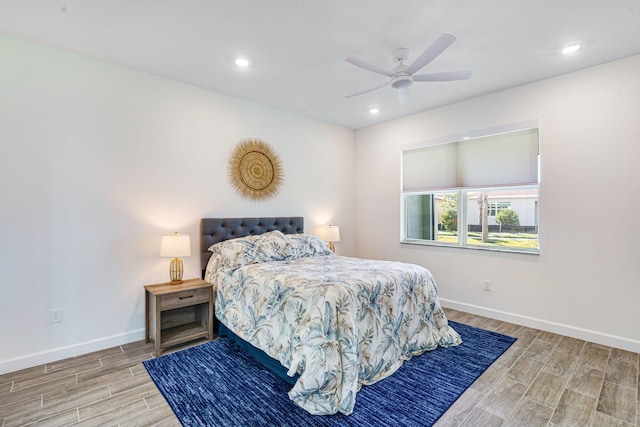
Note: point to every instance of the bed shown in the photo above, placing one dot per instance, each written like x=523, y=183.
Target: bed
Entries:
x=327, y=323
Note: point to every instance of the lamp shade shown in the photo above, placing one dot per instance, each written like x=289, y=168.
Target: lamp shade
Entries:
x=175, y=246
x=330, y=233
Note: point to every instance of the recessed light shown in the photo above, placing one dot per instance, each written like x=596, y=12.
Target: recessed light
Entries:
x=571, y=48
x=242, y=62
x=374, y=110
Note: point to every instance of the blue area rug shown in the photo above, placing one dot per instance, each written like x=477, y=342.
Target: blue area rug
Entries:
x=219, y=384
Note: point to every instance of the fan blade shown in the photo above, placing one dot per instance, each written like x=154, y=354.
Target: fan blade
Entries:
x=369, y=67
x=371, y=89
x=431, y=53
x=404, y=95
x=444, y=76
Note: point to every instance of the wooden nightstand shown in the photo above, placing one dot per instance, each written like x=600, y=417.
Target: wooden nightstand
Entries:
x=176, y=314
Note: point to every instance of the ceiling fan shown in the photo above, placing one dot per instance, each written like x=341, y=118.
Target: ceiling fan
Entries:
x=403, y=76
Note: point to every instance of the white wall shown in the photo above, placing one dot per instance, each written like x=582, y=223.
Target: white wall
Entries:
x=586, y=280
x=98, y=161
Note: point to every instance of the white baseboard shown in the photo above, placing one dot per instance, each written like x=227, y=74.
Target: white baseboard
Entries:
x=48, y=356
x=545, y=325
x=55, y=354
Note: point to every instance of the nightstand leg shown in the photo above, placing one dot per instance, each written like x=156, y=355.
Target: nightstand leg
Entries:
x=146, y=317
x=158, y=327
x=210, y=321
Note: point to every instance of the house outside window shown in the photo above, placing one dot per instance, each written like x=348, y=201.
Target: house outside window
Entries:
x=448, y=200
x=495, y=207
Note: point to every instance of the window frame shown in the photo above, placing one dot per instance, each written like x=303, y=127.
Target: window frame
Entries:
x=463, y=196
x=463, y=221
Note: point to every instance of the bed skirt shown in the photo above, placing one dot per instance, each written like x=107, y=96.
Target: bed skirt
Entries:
x=268, y=362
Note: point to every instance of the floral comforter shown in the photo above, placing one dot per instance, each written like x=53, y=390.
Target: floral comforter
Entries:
x=339, y=322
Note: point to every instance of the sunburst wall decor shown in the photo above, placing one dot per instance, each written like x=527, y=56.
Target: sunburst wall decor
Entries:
x=255, y=170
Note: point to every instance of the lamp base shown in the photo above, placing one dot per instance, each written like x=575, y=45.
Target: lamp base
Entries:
x=176, y=271
x=332, y=247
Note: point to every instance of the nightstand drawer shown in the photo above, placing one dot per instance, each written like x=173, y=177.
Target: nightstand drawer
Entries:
x=185, y=298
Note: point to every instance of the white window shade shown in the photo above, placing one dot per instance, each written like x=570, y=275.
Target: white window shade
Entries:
x=430, y=168
x=492, y=161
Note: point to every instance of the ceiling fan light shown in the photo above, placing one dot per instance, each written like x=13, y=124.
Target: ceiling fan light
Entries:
x=401, y=82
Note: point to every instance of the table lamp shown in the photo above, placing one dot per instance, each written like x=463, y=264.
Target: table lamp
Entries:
x=330, y=234
x=175, y=246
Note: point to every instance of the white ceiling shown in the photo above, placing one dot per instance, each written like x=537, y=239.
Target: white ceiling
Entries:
x=297, y=48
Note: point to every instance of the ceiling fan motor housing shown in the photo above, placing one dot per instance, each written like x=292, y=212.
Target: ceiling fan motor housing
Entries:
x=400, y=55
x=401, y=81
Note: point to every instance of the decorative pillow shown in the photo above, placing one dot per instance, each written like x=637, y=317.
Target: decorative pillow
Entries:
x=212, y=267
x=234, y=253
x=273, y=246
x=304, y=245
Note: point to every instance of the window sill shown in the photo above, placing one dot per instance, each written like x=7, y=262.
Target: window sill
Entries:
x=473, y=248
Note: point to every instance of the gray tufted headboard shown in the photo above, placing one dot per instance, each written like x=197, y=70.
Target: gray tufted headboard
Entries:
x=214, y=230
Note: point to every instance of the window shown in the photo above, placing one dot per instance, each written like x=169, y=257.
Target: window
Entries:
x=479, y=193
x=432, y=217
x=495, y=207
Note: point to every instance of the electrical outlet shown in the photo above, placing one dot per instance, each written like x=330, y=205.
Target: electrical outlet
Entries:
x=487, y=285
x=55, y=315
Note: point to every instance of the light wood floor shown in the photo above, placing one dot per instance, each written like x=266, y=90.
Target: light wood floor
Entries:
x=542, y=380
